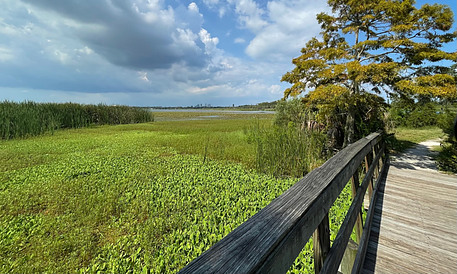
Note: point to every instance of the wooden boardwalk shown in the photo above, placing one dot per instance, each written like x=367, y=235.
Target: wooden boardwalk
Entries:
x=414, y=227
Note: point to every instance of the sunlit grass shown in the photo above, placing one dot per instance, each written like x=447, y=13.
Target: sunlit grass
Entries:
x=405, y=138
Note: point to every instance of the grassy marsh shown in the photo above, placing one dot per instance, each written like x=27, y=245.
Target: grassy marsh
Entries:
x=138, y=197
x=123, y=198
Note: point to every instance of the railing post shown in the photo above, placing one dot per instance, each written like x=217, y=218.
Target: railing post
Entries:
x=355, y=183
x=382, y=159
x=368, y=160
x=321, y=243
x=376, y=170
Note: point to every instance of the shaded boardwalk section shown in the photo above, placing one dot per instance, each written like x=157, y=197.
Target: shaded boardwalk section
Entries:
x=414, y=227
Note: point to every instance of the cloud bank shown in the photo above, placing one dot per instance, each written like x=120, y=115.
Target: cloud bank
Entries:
x=152, y=52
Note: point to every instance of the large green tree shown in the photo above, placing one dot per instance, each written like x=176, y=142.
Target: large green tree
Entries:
x=374, y=46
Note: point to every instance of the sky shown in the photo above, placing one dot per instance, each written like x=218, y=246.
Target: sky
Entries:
x=153, y=52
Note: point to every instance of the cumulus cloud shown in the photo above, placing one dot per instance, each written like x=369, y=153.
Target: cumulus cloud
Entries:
x=209, y=42
x=150, y=52
x=38, y=56
x=249, y=14
x=136, y=34
x=281, y=28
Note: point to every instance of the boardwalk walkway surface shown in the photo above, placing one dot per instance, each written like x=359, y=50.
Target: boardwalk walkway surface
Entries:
x=414, y=227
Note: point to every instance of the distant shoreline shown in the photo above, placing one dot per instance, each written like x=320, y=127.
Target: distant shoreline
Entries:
x=212, y=110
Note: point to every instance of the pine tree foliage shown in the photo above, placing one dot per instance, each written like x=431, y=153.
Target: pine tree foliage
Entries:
x=378, y=45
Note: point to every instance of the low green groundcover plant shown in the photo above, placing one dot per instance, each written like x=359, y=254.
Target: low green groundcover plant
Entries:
x=128, y=198
x=108, y=203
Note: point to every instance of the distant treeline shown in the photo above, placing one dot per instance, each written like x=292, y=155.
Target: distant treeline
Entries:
x=30, y=118
x=259, y=106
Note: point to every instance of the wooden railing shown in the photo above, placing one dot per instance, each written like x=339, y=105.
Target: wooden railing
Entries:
x=270, y=241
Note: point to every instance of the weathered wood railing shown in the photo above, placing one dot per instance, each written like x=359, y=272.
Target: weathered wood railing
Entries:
x=270, y=240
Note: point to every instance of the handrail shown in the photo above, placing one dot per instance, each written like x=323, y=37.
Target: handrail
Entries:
x=270, y=240
x=363, y=244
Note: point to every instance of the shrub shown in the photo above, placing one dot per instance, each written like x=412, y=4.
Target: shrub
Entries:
x=290, y=111
x=447, y=159
x=406, y=112
x=422, y=116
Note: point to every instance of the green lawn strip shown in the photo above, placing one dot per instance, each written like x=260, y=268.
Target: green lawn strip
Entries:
x=405, y=138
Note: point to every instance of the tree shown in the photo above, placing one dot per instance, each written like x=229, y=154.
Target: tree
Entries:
x=374, y=46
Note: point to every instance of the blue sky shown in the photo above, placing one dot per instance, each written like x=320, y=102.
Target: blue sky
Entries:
x=151, y=53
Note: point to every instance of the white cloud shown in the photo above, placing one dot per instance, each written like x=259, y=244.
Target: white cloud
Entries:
x=210, y=42
x=143, y=75
x=281, y=28
x=63, y=57
x=6, y=54
x=209, y=89
x=193, y=7
x=249, y=14
x=275, y=89
x=148, y=52
x=222, y=11
x=137, y=34
x=211, y=2
x=85, y=50
x=239, y=40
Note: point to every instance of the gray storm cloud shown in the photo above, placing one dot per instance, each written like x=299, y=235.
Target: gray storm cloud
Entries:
x=135, y=34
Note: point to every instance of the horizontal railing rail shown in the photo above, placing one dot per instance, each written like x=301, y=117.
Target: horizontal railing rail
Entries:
x=270, y=241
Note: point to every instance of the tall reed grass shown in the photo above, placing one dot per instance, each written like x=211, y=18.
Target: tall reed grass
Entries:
x=30, y=118
x=287, y=151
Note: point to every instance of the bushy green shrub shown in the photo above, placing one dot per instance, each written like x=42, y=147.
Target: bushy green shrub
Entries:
x=422, y=116
x=446, y=120
x=289, y=111
x=447, y=159
x=407, y=113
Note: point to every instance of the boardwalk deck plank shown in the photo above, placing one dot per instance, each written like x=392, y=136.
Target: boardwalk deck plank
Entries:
x=414, y=227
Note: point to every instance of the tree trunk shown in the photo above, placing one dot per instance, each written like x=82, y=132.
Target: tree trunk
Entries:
x=349, y=128
x=455, y=128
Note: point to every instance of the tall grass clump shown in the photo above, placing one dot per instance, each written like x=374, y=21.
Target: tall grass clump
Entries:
x=286, y=151
x=285, y=148
x=30, y=118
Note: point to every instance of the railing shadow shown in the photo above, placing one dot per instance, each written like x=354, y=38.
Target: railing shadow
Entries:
x=418, y=157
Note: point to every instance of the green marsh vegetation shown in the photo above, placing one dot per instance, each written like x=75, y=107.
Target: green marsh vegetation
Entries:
x=136, y=197
x=285, y=148
x=30, y=118
x=123, y=198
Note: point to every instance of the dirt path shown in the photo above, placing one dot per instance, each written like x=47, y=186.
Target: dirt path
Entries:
x=420, y=156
